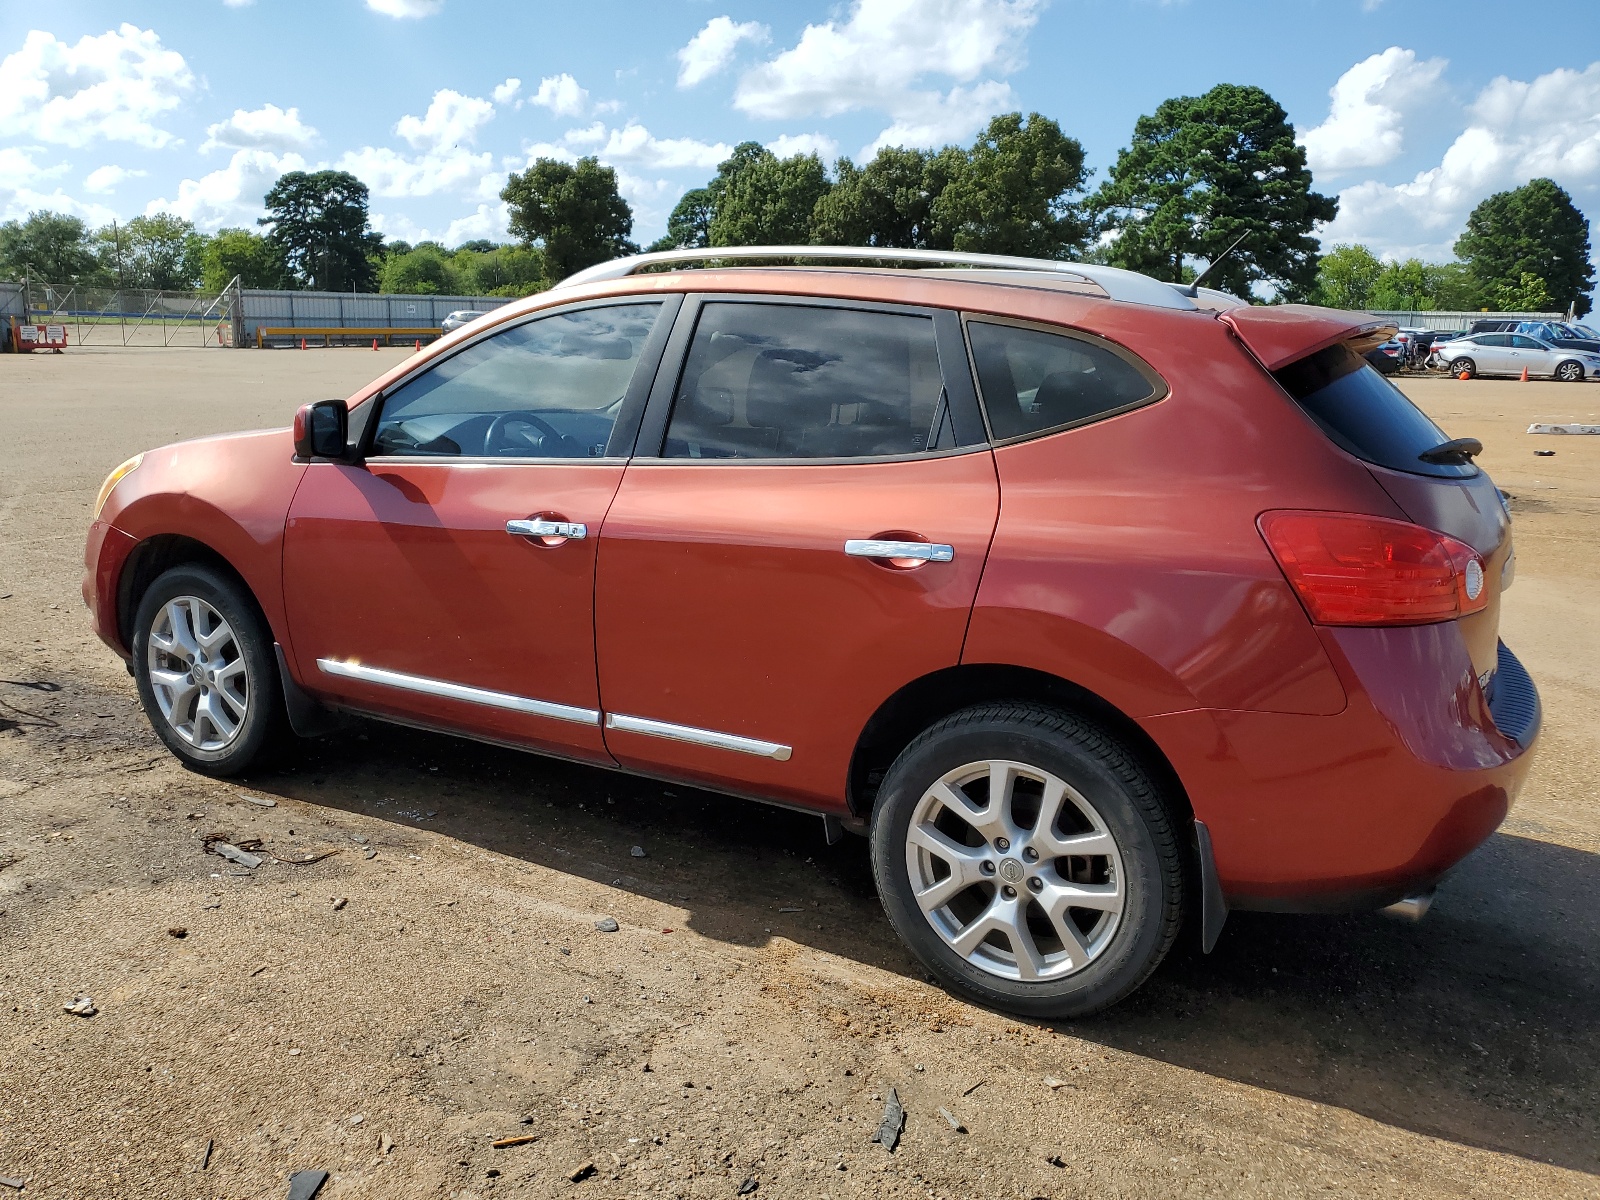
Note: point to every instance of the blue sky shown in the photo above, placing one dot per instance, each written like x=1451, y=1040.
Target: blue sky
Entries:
x=1412, y=110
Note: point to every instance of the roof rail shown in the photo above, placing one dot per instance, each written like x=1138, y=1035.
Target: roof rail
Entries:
x=1118, y=284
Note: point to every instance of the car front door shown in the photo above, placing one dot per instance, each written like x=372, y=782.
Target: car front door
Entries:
x=447, y=578
x=1533, y=355
x=800, y=534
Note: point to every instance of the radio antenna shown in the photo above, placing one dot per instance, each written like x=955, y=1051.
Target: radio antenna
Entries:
x=1194, y=287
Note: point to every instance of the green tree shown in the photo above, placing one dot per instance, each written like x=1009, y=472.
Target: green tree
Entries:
x=423, y=271
x=51, y=246
x=1531, y=230
x=767, y=200
x=320, y=229
x=501, y=270
x=1409, y=286
x=162, y=252
x=889, y=201
x=1346, y=275
x=1201, y=171
x=1528, y=294
x=242, y=253
x=1013, y=192
x=689, y=226
x=573, y=211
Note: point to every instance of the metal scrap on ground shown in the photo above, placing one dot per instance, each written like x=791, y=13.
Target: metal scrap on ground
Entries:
x=894, y=1120
x=218, y=844
x=81, y=1006
x=303, y=1185
x=1540, y=427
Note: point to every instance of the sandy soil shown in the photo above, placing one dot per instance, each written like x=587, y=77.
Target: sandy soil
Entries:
x=752, y=1013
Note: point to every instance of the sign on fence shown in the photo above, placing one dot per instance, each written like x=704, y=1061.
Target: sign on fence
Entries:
x=39, y=337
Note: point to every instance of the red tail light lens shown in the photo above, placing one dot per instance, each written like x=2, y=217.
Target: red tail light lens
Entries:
x=1350, y=569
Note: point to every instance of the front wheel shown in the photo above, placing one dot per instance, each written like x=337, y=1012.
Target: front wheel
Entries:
x=1569, y=372
x=1027, y=860
x=1464, y=366
x=203, y=661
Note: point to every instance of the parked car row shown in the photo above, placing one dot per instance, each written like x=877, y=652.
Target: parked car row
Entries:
x=1505, y=353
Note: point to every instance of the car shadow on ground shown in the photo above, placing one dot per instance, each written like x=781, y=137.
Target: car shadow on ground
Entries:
x=1480, y=1025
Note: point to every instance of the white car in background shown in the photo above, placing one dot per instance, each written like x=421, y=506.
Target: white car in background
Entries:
x=1511, y=354
x=462, y=316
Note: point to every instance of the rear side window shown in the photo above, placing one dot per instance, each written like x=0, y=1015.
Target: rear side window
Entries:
x=795, y=381
x=1035, y=382
x=1366, y=414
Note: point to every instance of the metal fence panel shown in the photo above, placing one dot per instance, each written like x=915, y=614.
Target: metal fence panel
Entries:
x=268, y=309
x=1458, y=320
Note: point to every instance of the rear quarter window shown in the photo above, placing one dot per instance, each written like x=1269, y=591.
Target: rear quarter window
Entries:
x=1365, y=414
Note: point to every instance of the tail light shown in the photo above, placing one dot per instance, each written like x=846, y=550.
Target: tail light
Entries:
x=1350, y=569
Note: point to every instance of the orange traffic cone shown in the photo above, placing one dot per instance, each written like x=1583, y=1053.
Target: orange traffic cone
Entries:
x=302, y=343
x=419, y=343
x=1524, y=374
x=1465, y=375
x=374, y=343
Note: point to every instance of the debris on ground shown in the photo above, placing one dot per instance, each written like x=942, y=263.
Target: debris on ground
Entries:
x=217, y=843
x=369, y=852
x=784, y=910
x=637, y=852
x=974, y=1086
x=8, y=1181
x=1051, y=1082
x=339, y=902
x=520, y=1140
x=1544, y=453
x=178, y=931
x=81, y=1006
x=303, y=1185
x=261, y=800
x=205, y=1155
x=607, y=925
x=748, y=1186
x=306, y=861
x=581, y=1172
x=894, y=1120
x=385, y=1144
x=1537, y=427
x=951, y=1117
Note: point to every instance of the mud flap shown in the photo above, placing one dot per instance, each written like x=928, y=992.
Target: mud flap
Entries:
x=307, y=718
x=1213, y=908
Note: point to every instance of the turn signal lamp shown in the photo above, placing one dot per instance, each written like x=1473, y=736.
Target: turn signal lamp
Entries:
x=112, y=480
x=1350, y=569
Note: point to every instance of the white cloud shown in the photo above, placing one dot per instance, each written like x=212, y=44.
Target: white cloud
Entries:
x=17, y=204
x=1516, y=131
x=115, y=86
x=589, y=135
x=489, y=221
x=18, y=168
x=232, y=195
x=791, y=144
x=1365, y=121
x=266, y=128
x=507, y=91
x=451, y=120
x=237, y=3
x=712, y=49
x=634, y=144
x=102, y=179
x=389, y=173
x=878, y=58
x=406, y=8
x=561, y=95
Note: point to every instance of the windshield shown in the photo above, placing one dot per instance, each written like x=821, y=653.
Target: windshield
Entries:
x=1584, y=331
x=1365, y=414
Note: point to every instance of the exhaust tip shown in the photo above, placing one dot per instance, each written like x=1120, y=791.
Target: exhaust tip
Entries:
x=1412, y=908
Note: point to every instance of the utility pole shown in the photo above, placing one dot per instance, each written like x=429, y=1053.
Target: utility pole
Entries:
x=116, y=233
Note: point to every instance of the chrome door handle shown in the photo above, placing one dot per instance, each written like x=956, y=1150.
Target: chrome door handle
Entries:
x=575, y=530
x=927, y=551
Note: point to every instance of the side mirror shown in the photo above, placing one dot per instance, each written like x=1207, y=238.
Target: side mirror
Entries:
x=322, y=430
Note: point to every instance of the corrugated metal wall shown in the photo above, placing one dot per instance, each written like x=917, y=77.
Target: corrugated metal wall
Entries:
x=1458, y=320
x=307, y=310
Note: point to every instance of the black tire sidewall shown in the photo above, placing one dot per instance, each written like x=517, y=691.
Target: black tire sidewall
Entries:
x=1464, y=364
x=1575, y=378
x=1149, y=914
x=255, y=644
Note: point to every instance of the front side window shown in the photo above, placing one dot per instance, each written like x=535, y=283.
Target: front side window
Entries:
x=796, y=381
x=549, y=388
x=1034, y=382
x=1525, y=343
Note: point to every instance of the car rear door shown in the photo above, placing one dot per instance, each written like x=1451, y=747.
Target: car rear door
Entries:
x=447, y=579
x=1492, y=353
x=800, y=535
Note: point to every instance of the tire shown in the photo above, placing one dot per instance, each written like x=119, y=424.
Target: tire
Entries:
x=1104, y=795
x=208, y=680
x=1569, y=372
x=1464, y=366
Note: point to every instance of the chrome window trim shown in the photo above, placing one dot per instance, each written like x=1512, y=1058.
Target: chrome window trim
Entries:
x=458, y=691
x=864, y=460
x=479, y=460
x=699, y=737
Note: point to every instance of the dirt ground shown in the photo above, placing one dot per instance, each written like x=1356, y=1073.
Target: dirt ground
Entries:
x=741, y=1031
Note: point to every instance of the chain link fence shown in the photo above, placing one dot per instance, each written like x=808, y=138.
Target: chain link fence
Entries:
x=108, y=316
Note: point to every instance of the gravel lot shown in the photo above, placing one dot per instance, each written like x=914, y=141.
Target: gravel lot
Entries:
x=747, y=1021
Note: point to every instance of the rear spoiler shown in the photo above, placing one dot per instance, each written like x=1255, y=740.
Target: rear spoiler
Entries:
x=1279, y=334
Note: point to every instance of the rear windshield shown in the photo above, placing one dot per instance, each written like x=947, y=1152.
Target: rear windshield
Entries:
x=1366, y=414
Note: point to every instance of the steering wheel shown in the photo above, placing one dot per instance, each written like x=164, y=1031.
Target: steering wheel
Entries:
x=497, y=439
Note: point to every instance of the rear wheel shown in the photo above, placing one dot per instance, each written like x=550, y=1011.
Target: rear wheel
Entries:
x=1569, y=372
x=1027, y=860
x=202, y=658
x=1464, y=366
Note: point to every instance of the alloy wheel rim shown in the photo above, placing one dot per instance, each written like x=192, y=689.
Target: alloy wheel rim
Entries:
x=1015, y=870
x=197, y=674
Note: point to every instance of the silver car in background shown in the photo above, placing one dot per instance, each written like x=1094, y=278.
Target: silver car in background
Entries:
x=462, y=316
x=1511, y=354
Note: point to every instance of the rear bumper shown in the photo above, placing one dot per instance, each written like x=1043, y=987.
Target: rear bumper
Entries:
x=104, y=555
x=1355, y=811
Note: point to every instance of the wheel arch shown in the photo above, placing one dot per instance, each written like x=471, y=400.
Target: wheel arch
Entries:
x=156, y=555
x=923, y=701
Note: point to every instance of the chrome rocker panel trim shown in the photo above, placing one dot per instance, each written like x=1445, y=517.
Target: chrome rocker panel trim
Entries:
x=700, y=737
x=459, y=691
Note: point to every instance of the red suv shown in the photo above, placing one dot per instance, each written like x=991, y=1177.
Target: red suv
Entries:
x=1098, y=603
